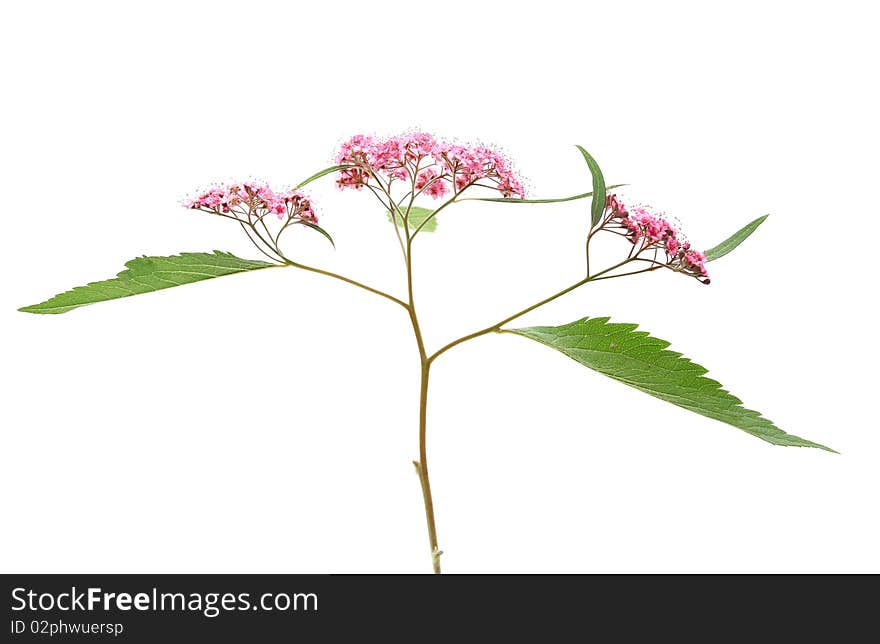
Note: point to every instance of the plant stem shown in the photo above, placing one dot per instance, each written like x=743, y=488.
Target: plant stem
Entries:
x=347, y=280
x=422, y=464
x=497, y=326
x=422, y=469
x=425, y=360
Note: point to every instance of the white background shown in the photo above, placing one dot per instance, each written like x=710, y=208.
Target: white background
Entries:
x=266, y=422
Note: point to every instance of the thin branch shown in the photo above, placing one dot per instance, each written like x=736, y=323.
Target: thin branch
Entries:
x=497, y=326
x=347, y=280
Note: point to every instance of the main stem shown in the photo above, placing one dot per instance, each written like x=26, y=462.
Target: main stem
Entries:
x=425, y=362
x=422, y=469
x=422, y=464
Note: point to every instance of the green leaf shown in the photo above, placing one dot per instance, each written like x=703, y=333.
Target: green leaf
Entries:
x=147, y=274
x=558, y=200
x=322, y=173
x=320, y=230
x=597, y=206
x=734, y=240
x=416, y=217
x=641, y=361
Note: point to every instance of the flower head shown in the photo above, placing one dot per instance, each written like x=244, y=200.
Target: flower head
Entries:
x=433, y=166
x=255, y=200
x=650, y=231
x=256, y=206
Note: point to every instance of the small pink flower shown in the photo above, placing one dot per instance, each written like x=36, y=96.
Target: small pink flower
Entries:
x=400, y=172
x=352, y=178
x=425, y=177
x=696, y=260
x=509, y=186
x=462, y=179
x=437, y=189
x=432, y=183
x=355, y=150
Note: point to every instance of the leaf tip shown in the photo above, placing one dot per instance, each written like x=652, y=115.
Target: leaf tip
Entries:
x=760, y=220
x=39, y=309
x=729, y=244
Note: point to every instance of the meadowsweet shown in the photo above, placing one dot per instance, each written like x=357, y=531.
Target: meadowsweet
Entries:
x=252, y=200
x=652, y=233
x=431, y=166
x=420, y=164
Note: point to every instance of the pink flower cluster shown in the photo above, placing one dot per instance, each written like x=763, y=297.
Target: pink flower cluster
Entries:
x=653, y=231
x=255, y=199
x=434, y=167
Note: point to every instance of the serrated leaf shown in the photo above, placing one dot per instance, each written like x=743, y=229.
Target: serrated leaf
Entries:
x=734, y=240
x=416, y=217
x=597, y=206
x=320, y=174
x=642, y=361
x=148, y=274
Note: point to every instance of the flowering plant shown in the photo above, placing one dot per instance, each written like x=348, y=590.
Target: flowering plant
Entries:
x=402, y=169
